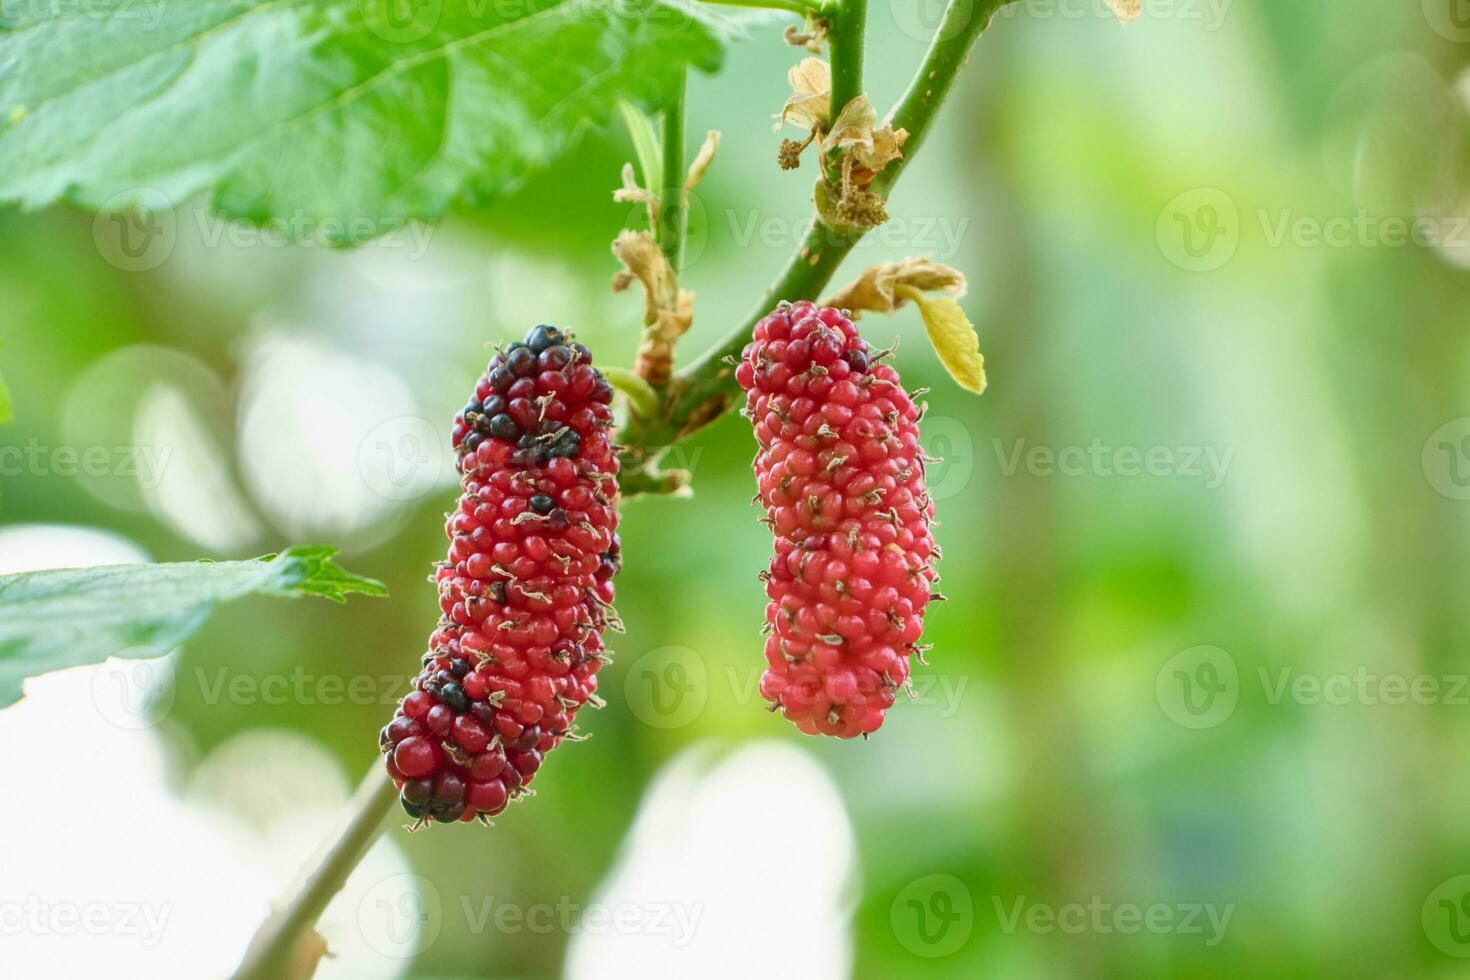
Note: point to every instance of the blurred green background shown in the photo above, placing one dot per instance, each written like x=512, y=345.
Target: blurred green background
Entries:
x=1211, y=506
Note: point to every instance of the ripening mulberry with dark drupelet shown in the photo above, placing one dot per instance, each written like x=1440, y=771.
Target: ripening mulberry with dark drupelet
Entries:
x=526, y=591
x=841, y=476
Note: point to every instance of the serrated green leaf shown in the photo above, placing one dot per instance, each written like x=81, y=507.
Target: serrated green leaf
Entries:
x=340, y=119
x=953, y=336
x=64, y=618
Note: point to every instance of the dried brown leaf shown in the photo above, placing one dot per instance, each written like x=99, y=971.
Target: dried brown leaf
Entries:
x=810, y=103
x=1126, y=10
x=668, y=310
x=631, y=193
x=878, y=287
x=702, y=160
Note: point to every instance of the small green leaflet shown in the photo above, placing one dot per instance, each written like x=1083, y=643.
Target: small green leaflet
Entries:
x=338, y=119
x=645, y=145
x=68, y=617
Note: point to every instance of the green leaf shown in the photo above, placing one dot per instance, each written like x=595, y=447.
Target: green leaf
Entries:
x=340, y=119
x=64, y=618
x=7, y=415
x=645, y=145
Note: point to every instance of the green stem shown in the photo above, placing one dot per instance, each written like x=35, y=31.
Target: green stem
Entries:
x=706, y=389
x=847, y=26
x=286, y=946
x=672, y=203
x=964, y=22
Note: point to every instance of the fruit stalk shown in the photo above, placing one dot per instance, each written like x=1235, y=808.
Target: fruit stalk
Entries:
x=706, y=389
x=286, y=946
x=847, y=27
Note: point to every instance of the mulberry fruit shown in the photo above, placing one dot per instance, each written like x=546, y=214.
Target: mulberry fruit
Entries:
x=526, y=592
x=841, y=476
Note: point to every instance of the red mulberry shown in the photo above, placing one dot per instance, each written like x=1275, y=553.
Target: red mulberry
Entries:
x=841, y=476
x=526, y=591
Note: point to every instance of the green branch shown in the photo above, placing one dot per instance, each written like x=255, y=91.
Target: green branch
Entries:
x=846, y=26
x=287, y=946
x=706, y=389
x=963, y=23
